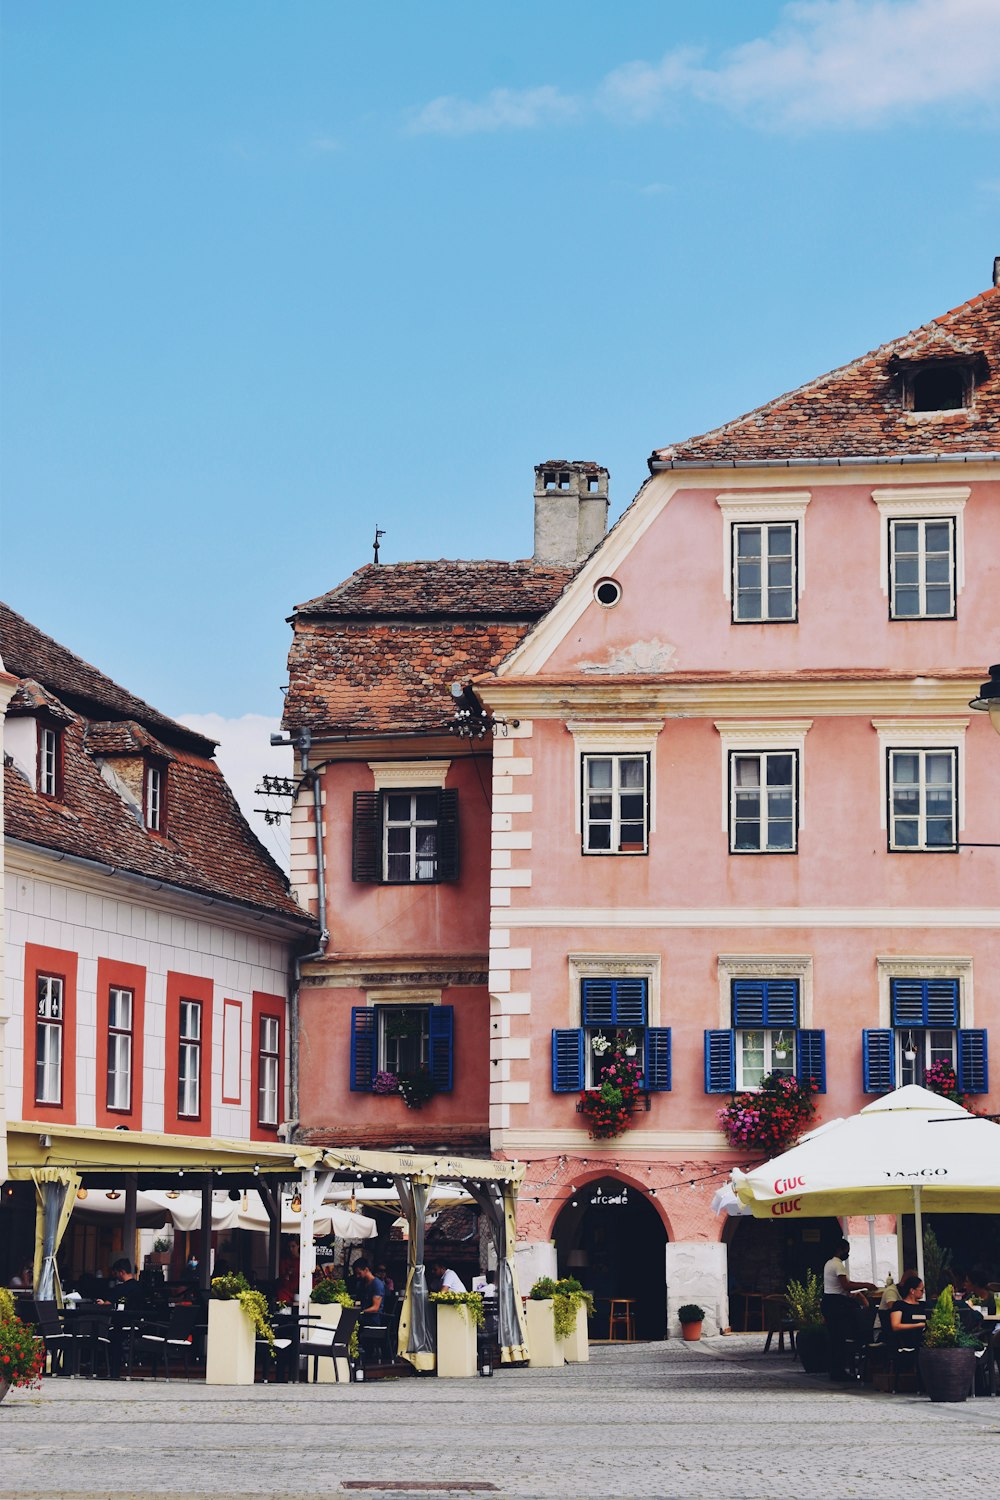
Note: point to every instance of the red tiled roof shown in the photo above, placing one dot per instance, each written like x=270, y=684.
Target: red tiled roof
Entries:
x=29, y=653
x=206, y=847
x=379, y=653
x=857, y=412
x=521, y=590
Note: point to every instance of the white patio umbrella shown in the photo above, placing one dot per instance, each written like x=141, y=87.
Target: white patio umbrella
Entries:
x=726, y=1202
x=908, y=1152
x=329, y=1219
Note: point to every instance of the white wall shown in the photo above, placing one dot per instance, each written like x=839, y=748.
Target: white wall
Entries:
x=84, y=916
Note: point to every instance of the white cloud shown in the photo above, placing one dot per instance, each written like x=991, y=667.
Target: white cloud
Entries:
x=325, y=145
x=837, y=63
x=502, y=109
x=245, y=754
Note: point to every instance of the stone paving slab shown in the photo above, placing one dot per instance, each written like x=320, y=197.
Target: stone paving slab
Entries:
x=719, y=1419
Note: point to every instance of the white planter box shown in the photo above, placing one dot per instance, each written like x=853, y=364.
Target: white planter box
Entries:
x=456, y=1341
x=544, y=1350
x=231, y=1336
x=576, y=1348
x=328, y=1314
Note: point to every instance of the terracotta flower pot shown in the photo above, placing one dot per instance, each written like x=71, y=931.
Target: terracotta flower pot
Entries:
x=4, y=1387
x=691, y=1331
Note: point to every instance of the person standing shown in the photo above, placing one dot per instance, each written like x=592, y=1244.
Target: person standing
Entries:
x=842, y=1303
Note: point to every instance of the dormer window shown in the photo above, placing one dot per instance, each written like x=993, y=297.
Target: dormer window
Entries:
x=941, y=388
x=940, y=382
x=48, y=760
x=154, y=798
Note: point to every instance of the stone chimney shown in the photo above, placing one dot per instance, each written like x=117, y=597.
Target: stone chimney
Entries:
x=571, y=510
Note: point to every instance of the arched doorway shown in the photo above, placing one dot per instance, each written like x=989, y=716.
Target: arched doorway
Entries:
x=764, y=1256
x=613, y=1240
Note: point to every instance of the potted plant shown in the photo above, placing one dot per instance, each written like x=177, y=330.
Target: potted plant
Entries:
x=385, y=1083
x=812, y=1340
x=691, y=1318
x=571, y=1308
x=329, y=1297
x=22, y=1355
x=236, y=1314
x=544, y=1349
x=611, y=1104
x=947, y=1358
x=459, y=1316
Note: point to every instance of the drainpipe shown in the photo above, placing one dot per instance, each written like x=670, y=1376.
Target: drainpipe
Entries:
x=303, y=743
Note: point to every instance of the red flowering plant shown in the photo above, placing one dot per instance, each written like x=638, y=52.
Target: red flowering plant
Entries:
x=941, y=1079
x=610, y=1105
x=22, y=1356
x=772, y=1117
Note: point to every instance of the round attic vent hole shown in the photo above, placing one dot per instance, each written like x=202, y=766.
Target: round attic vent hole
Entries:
x=608, y=592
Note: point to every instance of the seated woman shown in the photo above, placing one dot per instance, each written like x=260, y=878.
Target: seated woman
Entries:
x=907, y=1319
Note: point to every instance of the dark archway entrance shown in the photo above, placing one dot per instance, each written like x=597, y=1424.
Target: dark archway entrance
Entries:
x=614, y=1242
x=764, y=1257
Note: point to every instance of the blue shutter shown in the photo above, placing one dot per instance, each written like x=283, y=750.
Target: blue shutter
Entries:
x=440, y=1045
x=749, y=1003
x=567, y=1060
x=765, y=1002
x=878, y=1051
x=973, y=1062
x=810, y=1058
x=720, y=1062
x=924, y=1002
x=942, y=1002
x=364, y=1038
x=613, y=1002
x=658, y=1058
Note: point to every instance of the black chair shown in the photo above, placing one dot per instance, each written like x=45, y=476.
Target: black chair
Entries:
x=317, y=1342
x=173, y=1338
x=902, y=1355
x=57, y=1338
x=91, y=1341
x=778, y=1320
x=859, y=1341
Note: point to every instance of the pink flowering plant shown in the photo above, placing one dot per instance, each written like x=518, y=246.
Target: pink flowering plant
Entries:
x=942, y=1079
x=772, y=1117
x=609, y=1106
x=385, y=1083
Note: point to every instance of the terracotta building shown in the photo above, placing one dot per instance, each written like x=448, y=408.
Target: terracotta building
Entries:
x=150, y=938
x=706, y=787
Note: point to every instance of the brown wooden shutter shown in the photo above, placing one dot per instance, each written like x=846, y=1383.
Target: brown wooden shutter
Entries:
x=366, y=864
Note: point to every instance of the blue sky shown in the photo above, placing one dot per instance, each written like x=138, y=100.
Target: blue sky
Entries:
x=277, y=272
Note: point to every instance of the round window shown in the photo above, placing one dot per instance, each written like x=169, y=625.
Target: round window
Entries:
x=608, y=592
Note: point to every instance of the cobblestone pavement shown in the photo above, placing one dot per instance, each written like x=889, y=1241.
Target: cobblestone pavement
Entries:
x=719, y=1419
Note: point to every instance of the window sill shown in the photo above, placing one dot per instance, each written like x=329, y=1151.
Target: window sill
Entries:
x=642, y=1101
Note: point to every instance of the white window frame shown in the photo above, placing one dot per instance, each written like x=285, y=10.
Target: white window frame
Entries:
x=915, y=735
x=268, y=1065
x=189, y=1051
x=615, y=793
x=48, y=761
x=50, y=1041
x=414, y=824
x=628, y=738
x=770, y=1035
x=916, y=502
x=763, y=508
x=765, y=617
x=154, y=798
x=389, y=999
x=121, y=1048
x=921, y=846
x=921, y=523
x=762, y=737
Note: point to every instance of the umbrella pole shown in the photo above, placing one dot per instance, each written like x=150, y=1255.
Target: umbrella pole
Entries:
x=918, y=1224
x=871, y=1245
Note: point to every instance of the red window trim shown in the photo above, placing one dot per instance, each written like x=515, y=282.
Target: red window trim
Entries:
x=60, y=965
x=275, y=1006
x=111, y=973
x=187, y=987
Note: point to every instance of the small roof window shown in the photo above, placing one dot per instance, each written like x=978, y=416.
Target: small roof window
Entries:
x=941, y=388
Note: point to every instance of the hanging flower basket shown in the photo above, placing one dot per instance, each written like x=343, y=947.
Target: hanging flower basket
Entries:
x=610, y=1106
x=772, y=1117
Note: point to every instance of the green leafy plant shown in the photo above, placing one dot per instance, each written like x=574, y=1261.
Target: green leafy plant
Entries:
x=234, y=1287
x=22, y=1356
x=472, y=1300
x=161, y=1246
x=416, y=1088
x=805, y=1301
x=943, y=1330
x=567, y=1299
x=333, y=1289
x=937, y=1262
x=690, y=1313
x=543, y=1289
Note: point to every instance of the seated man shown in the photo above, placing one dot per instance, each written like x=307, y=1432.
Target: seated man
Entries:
x=372, y=1295
x=443, y=1279
x=125, y=1290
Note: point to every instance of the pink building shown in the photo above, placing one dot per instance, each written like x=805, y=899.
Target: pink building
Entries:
x=708, y=786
